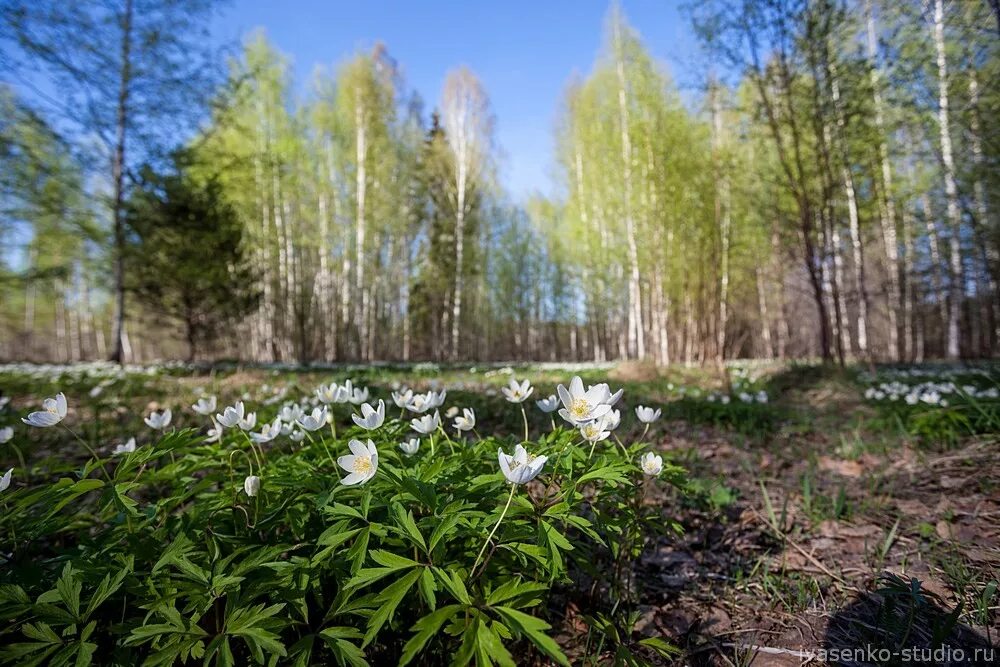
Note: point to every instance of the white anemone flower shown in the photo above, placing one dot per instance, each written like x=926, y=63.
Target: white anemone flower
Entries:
x=580, y=405
x=612, y=420
x=370, y=418
x=53, y=411
x=647, y=415
x=517, y=392
x=4, y=401
x=435, y=399
x=297, y=436
x=268, y=432
x=251, y=485
x=159, y=420
x=520, y=468
x=418, y=403
x=651, y=464
x=249, y=421
x=126, y=448
x=451, y=412
x=595, y=431
x=359, y=395
x=290, y=413
x=410, y=447
x=5, y=480
x=361, y=463
x=548, y=404
x=232, y=415
x=346, y=392
x=205, y=405
x=6, y=433
x=402, y=397
x=467, y=421
x=325, y=393
x=427, y=424
x=314, y=421
x=214, y=434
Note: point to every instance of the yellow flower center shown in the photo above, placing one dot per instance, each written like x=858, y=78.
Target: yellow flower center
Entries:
x=579, y=408
x=362, y=465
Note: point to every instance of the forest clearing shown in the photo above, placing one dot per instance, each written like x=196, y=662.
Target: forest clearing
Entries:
x=802, y=509
x=607, y=332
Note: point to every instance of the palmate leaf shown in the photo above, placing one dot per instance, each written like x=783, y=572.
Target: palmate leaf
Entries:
x=345, y=651
x=528, y=591
x=390, y=563
x=425, y=628
x=443, y=529
x=408, y=526
x=489, y=647
x=250, y=624
x=121, y=500
x=454, y=583
x=550, y=538
x=532, y=628
x=615, y=472
x=389, y=599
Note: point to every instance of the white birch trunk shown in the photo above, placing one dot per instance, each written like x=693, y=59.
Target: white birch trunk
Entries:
x=636, y=341
x=950, y=187
x=887, y=217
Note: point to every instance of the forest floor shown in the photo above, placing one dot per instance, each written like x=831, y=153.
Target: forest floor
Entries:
x=822, y=533
x=832, y=540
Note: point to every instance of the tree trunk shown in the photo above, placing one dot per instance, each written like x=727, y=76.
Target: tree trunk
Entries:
x=722, y=220
x=950, y=187
x=991, y=257
x=887, y=212
x=118, y=185
x=361, y=184
x=765, y=320
x=854, y=223
x=636, y=332
x=936, y=264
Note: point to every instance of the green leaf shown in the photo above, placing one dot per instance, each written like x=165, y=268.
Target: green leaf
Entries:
x=119, y=494
x=453, y=582
x=404, y=519
x=336, y=639
x=425, y=628
x=513, y=588
x=427, y=587
x=662, y=647
x=442, y=529
x=611, y=473
x=334, y=537
x=389, y=598
x=533, y=628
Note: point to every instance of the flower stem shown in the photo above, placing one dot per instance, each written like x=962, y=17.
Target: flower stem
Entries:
x=445, y=433
x=645, y=431
x=524, y=415
x=325, y=448
x=91, y=450
x=20, y=458
x=254, y=450
x=513, y=487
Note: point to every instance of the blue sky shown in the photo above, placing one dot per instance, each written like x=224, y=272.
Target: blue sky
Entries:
x=524, y=52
